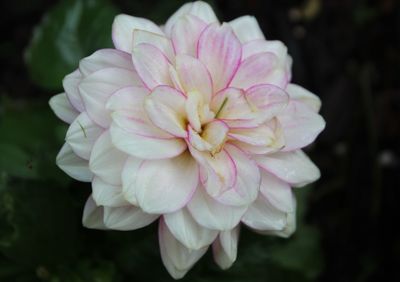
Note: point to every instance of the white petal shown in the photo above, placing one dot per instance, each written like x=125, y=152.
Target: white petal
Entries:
x=122, y=30
x=225, y=247
x=287, y=231
x=105, y=194
x=73, y=165
x=166, y=185
x=278, y=192
x=63, y=108
x=188, y=231
x=301, y=94
x=293, y=167
x=127, y=218
x=82, y=134
x=262, y=215
x=93, y=215
x=70, y=84
x=129, y=174
x=212, y=214
x=175, y=256
x=161, y=42
x=246, y=28
x=106, y=161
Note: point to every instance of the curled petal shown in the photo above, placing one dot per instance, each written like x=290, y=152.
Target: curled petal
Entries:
x=122, y=30
x=221, y=51
x=287, y=230
x=73, y=165
x=246, y=28
x=275, y=47
x=127, y=218
x=293, y=167
x=82, y=134
x=225, y=247
x=70, y=84
x=105, y=194
x=63, y=108
x=175, y=256
x=93, y=215
x=187, y=231
x=159, y=41
x=298, y=93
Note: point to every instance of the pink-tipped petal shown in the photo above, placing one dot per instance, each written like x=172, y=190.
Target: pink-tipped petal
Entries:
x=293, y=167
x=225, y=247
x=185, y=34
x=187, y=231
x=127, y=218
x=160, y=186
x=221, y=51
x=105, y=194
x=177, y=259
x=246, y=28
x=151, y=65
x=82, y=134
x=93, y=215
x=106, y=161
x=159, y=41
x=73, y=165
x=70, y=84
x=122, y=30
x=63, y=108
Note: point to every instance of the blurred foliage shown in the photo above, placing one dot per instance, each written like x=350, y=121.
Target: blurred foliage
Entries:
x=41, y=237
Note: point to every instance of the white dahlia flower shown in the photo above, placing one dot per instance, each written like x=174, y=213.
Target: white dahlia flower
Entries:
x=194, y=124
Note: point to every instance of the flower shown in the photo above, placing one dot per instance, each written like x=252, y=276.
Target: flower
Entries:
x=194, y=124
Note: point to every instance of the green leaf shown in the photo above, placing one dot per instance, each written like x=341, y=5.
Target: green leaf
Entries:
x=72, y=30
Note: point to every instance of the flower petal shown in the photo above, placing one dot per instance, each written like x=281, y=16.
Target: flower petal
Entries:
x=63, y=108
x=287, y=231
x=70, y=84
x=293, y=167
x=96, y=88
x=300, y=125
x=160, y=186
x=129, y=174
x=278, y=192
x=122, y=30
x=225, y=247
x=221, y=51
x=254, y=70
x=262, y=215
x=298, y=93
x=246, y=28
x=127, y=218
x=261, y=46
x=151, y=65
x=106, y=161
x=175, y=256
x=185, y=34
x=93, y=215
x=159, y=41
x=73, y=165
x=82, y=134
x=212, y=214
x=187, y=231
x=106, y=58
x=165, y=107
x=105, y=194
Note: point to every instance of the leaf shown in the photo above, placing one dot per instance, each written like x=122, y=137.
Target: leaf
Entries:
x=70, y=31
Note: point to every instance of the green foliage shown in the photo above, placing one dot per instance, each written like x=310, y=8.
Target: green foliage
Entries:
x=70, y=31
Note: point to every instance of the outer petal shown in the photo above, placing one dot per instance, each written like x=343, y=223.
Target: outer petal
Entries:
x=63, y=108
x=159, y=41
x=70, y=84
x=151, y=65
x=225, y=247
x=105, y=194
x=185, y=34
x=165, y=107
x=176, y=257
x=301, y=94
x=105, y=58
x=93, y=215
x=287, y=231
x=261, y=215
x=300, y=125
x=188, y=231
x=99, y=86
x=293, y=167
x=82, y=134
x=164, y=186
x=106, y=161
x=127, y=218
x=255, y=70
x=246, y=28
x=199, y=9
x=129, y=174
x=221, y=51
x=278, y=192
x=212, y=214
x=261, y=46
x=122, y=30
x=73, y=165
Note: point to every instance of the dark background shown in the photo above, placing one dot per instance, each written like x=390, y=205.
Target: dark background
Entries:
x=347, y=52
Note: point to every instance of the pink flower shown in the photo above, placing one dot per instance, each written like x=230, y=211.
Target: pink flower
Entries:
x=195, y=124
